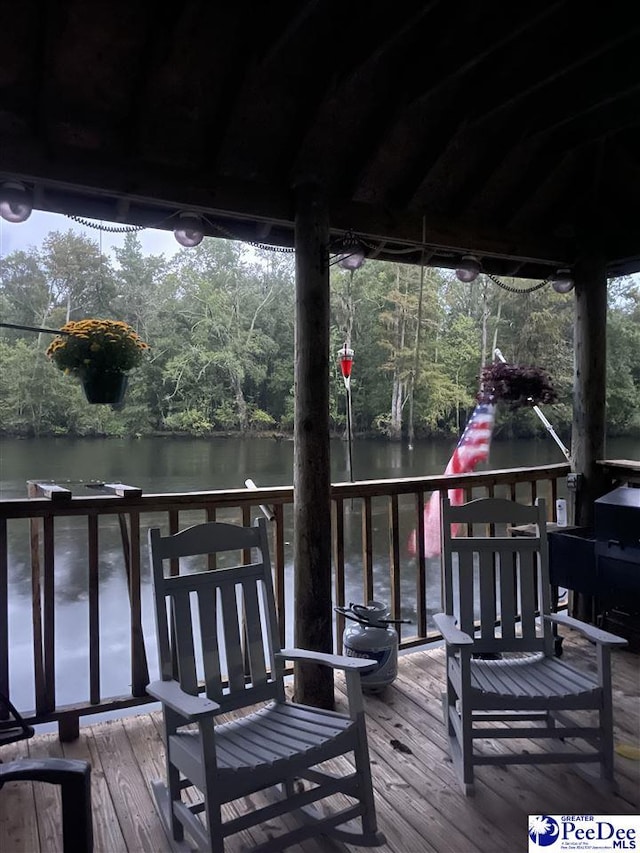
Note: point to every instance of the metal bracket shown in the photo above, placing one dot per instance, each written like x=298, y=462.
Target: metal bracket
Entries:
x=574, y=481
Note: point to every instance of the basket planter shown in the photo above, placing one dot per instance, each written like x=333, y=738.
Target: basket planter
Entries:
x=104, y=386
x=100, y=353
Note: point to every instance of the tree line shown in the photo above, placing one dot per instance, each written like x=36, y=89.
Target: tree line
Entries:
x=220, y=323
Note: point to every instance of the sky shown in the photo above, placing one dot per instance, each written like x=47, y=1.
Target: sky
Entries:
x=21, y=236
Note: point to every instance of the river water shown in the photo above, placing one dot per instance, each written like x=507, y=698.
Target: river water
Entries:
x=174, y=465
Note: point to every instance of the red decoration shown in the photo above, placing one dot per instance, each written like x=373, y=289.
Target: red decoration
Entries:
x=346, y=361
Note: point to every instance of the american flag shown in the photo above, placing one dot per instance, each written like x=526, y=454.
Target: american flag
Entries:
x=472, y=449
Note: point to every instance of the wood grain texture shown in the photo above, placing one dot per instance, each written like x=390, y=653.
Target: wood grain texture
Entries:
x=419, y=805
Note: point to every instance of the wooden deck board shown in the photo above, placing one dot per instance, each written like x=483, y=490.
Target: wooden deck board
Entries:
x=420, y=807
x=47, y=797
x=107, y=833
x=18, y=829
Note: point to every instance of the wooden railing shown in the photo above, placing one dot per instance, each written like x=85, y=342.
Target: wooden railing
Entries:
x=371, y=519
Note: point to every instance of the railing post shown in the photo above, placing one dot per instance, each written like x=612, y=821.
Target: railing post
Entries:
x=131, y=555
x=338, y=564
x=69, y=728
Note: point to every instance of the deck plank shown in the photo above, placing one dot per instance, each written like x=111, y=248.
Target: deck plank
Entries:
x=543, y=788
x=152, y=765
x=426, y=769
x=18, y=827
x=107, y=835
x=134, y=806
x=420, y=806
x=48, y=799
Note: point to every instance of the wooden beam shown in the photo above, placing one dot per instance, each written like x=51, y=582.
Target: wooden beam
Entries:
x=412, y=189
x=491, y=159
x=288, y=30
x=351, y=60
x=613, y=114
x=567, y=126
x=157, y=40
x=494, y=103
x=549, y=146
x=426, y=77
x=311, y=467
x=91, y=187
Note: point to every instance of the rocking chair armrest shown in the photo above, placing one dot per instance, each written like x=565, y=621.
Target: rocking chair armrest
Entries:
x=597, y=635
x=451, y=634
x=334, y=661
x=190, y=707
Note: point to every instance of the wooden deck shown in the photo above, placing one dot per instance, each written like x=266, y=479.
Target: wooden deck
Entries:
x=420, y=807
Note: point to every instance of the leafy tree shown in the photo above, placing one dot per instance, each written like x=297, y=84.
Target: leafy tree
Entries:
x=79, y=278
x=220, y=322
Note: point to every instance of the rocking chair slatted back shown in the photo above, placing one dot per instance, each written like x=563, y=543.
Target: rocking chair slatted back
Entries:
x=496, y=584
x=230, y=612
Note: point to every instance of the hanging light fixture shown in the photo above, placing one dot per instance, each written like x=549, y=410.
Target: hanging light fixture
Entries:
x=353, y=260
x=468, y=269
x=15, y=202
x=349, y=252
x=189, y=231
x=562, y=280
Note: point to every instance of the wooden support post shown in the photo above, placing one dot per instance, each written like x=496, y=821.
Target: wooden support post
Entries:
x=590, y=368
x=589, y=394
x=311, y=466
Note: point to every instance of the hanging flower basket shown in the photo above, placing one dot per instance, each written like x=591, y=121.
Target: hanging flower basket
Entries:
x=104, y=386
x=99, y=353
x=516, y=384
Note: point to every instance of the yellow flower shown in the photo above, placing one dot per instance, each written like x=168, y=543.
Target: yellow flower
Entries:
x=100, y=345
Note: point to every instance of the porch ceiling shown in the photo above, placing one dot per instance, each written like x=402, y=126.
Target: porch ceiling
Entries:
x=506, y=129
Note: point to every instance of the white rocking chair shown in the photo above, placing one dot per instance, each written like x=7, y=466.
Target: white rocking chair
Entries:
x=273, y=747
x=500, y=663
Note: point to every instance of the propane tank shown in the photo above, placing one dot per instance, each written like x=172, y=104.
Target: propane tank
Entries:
x=372, y=636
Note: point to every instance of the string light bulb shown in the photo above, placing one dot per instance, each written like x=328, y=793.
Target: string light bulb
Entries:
x=349, y=253
x=352, y=260
x=468, y=269
x=15, y=202
x=189, y=231
x=562, y=280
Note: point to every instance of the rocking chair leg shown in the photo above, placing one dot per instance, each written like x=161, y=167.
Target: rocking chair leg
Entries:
x=606, y=715
x=210, y=793
x=173, y=781
x=361, y=757
x=467, y=754
x=606, y=741
x=177, y=830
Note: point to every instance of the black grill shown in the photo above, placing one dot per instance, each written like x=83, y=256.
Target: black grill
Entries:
x=604, y=562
